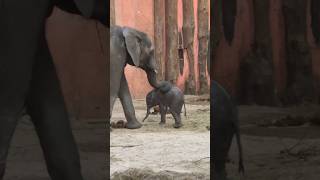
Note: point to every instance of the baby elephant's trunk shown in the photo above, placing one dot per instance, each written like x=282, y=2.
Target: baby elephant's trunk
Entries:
x=148, y=112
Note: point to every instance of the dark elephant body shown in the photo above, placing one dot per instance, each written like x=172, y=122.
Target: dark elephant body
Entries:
x=225, y=125
x=173, y=99
x=28, y=80
x=94, y=9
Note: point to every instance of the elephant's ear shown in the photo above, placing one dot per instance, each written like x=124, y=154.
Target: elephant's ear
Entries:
x=85, y=7
x=133, y=44
x=68, y=6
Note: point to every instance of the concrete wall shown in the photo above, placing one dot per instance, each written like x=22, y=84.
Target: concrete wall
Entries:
x=80, y=59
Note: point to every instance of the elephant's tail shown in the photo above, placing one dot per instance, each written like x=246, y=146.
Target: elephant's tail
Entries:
x=185, y=110
x=237, y=133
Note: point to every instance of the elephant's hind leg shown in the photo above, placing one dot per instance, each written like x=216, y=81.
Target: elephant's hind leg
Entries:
x=163, y=113
x=177, y=118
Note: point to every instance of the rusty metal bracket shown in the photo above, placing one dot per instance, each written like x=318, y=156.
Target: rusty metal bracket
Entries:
x=180, y=53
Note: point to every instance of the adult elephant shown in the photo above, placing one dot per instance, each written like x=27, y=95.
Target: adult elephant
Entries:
x=28, y=80
x=129, y=46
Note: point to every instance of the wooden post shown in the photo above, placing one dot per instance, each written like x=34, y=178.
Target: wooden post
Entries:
x=112, y=13
x=203, y=36
x=300, y=85
x=171, y=28
x=188, y=32
x=160, y=37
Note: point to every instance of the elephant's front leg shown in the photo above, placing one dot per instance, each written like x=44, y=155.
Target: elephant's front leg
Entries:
x=126, y=101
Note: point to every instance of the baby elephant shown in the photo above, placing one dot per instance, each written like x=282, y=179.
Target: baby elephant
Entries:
x=172, y=99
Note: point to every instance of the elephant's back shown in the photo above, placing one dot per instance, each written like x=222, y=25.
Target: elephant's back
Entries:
x=174, y=96
x=221, y=105
x=177, y=91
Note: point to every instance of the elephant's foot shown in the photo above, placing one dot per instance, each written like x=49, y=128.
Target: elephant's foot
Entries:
x=177, y=125
x=2, y=169
x=133, y=124
x=161, y=123
x=220, y=175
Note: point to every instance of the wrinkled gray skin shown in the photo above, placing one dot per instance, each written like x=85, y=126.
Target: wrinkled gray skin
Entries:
x=225, y=125
x=172, y=99
x=129, y=46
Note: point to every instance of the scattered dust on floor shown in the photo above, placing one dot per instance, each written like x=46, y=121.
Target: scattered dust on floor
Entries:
x=175, y=151
x=265, y=156
x=163, y=151
x=147, y=174
x=264, y=148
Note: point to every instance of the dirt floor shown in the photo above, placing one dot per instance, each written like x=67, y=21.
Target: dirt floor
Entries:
x=163, y=152
x=279, y=143
x=26, y=162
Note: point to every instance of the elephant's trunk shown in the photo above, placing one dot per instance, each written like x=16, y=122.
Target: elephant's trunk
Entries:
x=152, y=78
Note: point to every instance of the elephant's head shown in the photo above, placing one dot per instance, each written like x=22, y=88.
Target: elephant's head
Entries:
x=141, y=53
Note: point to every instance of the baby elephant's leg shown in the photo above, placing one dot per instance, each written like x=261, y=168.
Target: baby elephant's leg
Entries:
x=177, y=118
x=163, y=112
x=147, y=115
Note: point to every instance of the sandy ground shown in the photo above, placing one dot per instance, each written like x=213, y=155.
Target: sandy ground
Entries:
x=270, y=152
x=26, y=162
x=265, y=148
x=164, y=149
x=155, y=151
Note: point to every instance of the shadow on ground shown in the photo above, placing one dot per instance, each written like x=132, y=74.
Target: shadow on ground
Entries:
x=279, y=143
x=26, y=161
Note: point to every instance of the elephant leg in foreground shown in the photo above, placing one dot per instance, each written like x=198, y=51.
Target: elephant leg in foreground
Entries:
x=21, y=25
x=221, y=145
x=46, y=106
x=128, y=108
x=225, y=125
x=22, y=35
